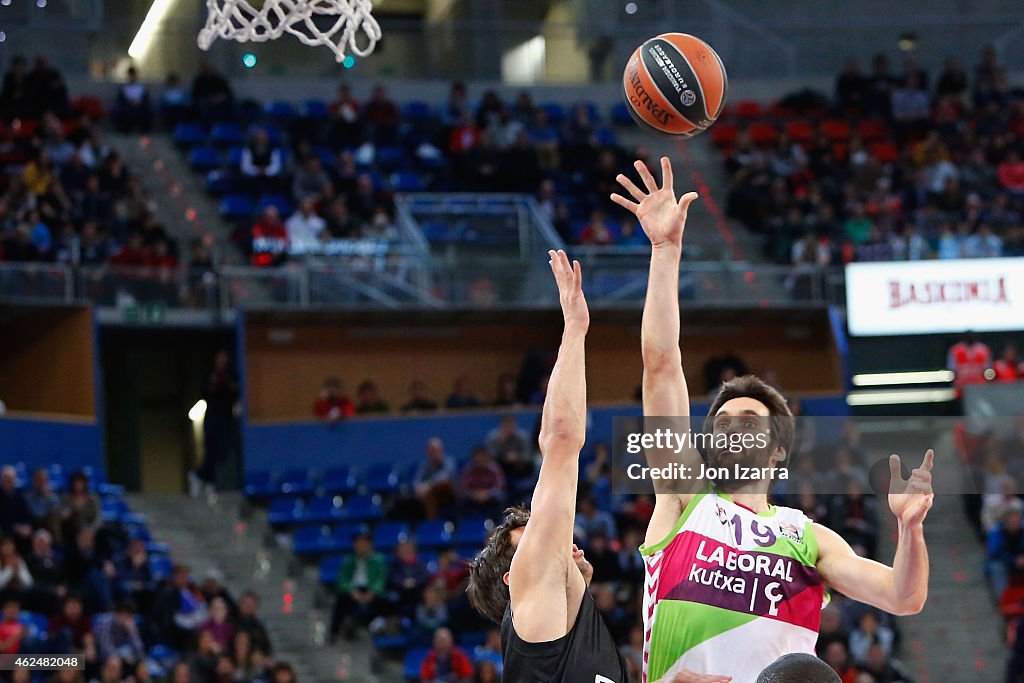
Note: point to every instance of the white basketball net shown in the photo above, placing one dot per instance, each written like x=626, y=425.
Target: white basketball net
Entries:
x=242, y=22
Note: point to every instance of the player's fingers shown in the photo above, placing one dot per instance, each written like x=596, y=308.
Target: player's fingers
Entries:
x=666, y=173
x=578, y=272
x=929, y=460
x=645, y=175
x=631, y=187
x=894, y=468
x=686, y=200
x=632, y=207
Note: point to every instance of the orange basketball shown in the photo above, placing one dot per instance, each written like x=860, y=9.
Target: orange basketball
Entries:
x=675, y=83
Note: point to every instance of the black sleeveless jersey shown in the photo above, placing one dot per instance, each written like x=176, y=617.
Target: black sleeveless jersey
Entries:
x=586, y=654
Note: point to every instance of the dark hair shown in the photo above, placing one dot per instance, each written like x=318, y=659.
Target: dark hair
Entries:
x=487, y=591
x=798, y=667
x=282, y=666
x=750, y=386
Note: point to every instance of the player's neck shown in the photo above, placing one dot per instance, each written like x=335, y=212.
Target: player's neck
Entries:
x=749, y=497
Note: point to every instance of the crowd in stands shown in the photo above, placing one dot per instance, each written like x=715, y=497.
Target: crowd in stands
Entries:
x=67, y=197
x=79, y=574
x=895, y=166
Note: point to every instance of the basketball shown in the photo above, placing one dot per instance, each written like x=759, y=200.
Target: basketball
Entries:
x=675, y=84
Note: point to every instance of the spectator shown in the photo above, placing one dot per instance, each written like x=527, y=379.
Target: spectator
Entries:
x=70, y=630
x=911, y=105
x=339, y=222
x=15, y=97
x=381, y=116
x=867, y=633
x=507, y=393
x=538, y=397
x=346, y=128
x=1005, y=551
x=174, y=102
x=203, y=660
x=1008, y=367
x=220, y=392
x=222, y=630
x=602, y=557
x=12, y=631
x=282, y=672
x=451, y=576
x=132, y=111
x=877, y=664
x=597, y=233
x=179, y=609
x=433, y=484
x=118, y=636
x=89, y=571
x=614, y=614
x=369, y=400
x=445, y=663
x=1011, y=174
x=482, y=484
x=508, y=445
x=47, y=571
x=952, y=81
x=134, y=575
x=968, y=359
x=462, y=395
x=360, y=588
x=486, y=672
x=332, y=403
x=213, y=587
x=261, y=163
x=851, y=89
x=43, y=503
x=15, y=514
x=249, y=622
x=310, y=180
x=418, y=399
x=407, y=574
x=211, y=94
x=837, y=657
x=831, y=629
x=15, y=579
x=590, y=521
x=81, y=506
x=431, y=612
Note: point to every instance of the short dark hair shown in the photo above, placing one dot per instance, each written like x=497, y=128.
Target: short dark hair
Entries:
x=798, y=667
x=487, y=591
x=750, y=386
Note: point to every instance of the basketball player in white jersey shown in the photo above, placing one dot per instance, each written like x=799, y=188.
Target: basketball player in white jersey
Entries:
x=732, y=582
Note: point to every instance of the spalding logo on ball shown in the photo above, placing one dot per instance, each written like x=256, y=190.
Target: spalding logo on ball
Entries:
x=675, y=84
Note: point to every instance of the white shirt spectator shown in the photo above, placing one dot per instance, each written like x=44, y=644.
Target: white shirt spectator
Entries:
x=304, y=227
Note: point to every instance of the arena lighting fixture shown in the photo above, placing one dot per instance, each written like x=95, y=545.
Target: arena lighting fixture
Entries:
x=899, y=397
x=197, y=412
x=890, y=378
x=144, y=38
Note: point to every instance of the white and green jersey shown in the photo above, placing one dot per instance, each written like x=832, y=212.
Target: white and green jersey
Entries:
x=729, y=591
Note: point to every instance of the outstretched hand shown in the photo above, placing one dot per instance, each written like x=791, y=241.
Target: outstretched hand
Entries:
x=661, y=215
x=687, y=676
x=569, y=279
x=910, y=500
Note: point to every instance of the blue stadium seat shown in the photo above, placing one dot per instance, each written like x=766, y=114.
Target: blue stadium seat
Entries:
x=342, y=480
x=322, y=510
x=239, y=206
x=164, y=654
x=365, y=508
x=619, y=114
x=188, y=134
x=258, y=483
x=280, y=110
x=471, y=640
x=285, y=510
x=592, y=111
x=309, y=540
x=399, y=641
x=342, y=537
x=220, y=183
x=35, y=622
x=440, y=232
x=157, y=548
x=472, y=532
x=416, y=111
x=226, y=135
x=282, y=204
x=326, y=155
x=434, y=534
x=413, y=661
x=297, y=481
x=113, y=509
x=387, y=536
x=382, y=478
x=555, y=112
x=105, y=489
x=390, y=158
x=606, y=136
x=58, y=477
x=204, y=158
x=160, y=566
x=315, y=109
x=234, y=157
x=136, y=531
x=407, y=181
x=330, y=565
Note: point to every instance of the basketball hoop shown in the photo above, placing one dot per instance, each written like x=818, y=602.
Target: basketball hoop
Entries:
x=341, y=21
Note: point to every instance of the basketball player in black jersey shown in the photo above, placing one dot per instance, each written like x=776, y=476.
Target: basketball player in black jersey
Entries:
x=530, y=578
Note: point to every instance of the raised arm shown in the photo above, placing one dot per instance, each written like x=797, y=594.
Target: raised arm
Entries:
x=663, y=219
x=902, y=588
x=540, y=569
